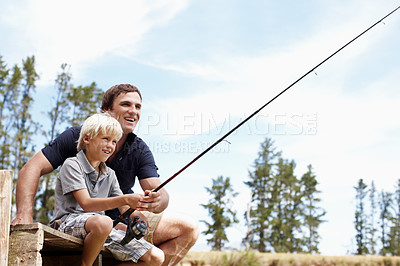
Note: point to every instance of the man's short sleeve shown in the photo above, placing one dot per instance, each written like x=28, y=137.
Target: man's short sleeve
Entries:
x=147, y=164
x=62, y=147
x=115, y=190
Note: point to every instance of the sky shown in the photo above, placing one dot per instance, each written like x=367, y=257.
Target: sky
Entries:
x=204, y=66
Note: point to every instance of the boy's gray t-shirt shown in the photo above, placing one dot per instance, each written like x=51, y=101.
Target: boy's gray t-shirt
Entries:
x=76, y=173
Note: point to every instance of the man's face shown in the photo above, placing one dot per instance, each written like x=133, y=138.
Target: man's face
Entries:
x=126, y=109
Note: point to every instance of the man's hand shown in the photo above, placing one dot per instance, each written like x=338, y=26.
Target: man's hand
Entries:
x=22, y=219
x=122, y=226
x=141, y=217
x=158, y=201
x=151, y=201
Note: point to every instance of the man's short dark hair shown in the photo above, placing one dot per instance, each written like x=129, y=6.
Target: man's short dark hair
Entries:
x=113, y=92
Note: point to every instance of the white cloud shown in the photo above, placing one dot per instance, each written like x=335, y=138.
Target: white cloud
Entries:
x=79, y=32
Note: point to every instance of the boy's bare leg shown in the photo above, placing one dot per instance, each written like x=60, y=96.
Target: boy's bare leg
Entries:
x=98, y=227
x=175, y=237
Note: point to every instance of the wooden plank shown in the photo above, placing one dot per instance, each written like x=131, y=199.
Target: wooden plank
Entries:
x=25, y=247
x=53, y=239
x=57, y=248
x=5, y=211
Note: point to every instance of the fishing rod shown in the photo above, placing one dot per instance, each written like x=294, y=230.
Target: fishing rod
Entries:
x=130, y=211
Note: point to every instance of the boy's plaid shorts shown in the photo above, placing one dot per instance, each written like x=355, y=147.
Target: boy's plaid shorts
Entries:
x=74, y=225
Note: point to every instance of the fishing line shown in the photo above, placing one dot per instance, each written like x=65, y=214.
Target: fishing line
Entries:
x=128, y=212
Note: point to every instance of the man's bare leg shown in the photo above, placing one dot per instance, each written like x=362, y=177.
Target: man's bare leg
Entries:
x=153, y=257
x=175, y=236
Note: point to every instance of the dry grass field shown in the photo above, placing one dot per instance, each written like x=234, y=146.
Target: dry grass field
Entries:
x=203, y=258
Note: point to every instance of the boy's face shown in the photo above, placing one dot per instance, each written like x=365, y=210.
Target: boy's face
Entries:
x=126, y=109
x=99, y=148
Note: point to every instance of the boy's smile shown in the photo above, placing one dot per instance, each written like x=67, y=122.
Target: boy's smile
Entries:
x=99, y=148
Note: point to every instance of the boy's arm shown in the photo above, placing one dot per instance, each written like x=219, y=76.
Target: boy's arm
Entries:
x=89, y=204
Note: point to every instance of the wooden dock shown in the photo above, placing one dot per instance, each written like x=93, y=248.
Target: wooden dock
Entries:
x=37, y=244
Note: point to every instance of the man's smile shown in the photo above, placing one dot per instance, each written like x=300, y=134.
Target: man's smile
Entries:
x=130, y=119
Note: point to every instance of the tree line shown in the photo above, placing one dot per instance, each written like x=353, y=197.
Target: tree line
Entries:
x=283, y=214
x=69, y=106
x=377, y=220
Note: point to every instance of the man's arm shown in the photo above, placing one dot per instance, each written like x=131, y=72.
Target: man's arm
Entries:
x=27, y=184
x=156, y=201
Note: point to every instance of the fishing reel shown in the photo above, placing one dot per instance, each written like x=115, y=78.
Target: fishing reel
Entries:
x=136, y=229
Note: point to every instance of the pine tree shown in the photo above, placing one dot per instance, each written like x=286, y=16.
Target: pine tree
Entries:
x=5, y=118
x=311, y=212
x=394, y=236
x=372, y=230
x=58, y=115
x=249, y=231
x=85, y=101
x=285, y=221
x=219, y=208
x=23, y=123
x=276, y=237
x=10, y=92
x=264, y=196
x=21, y=126
x=360, y=218
x=60, y=111
x=385, y=203
x=4, y=92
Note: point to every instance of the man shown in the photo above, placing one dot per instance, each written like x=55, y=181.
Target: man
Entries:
x=132, y=158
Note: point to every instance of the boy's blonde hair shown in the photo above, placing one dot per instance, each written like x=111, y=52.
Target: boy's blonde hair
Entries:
x=99, y=124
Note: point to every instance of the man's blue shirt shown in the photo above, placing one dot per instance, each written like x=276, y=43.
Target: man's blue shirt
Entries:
x=134, y=160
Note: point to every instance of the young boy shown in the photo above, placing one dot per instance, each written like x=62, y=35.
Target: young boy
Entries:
x=86, y=187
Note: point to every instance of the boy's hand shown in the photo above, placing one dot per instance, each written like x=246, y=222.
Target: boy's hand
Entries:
x=151, y=201
x=133, y=200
